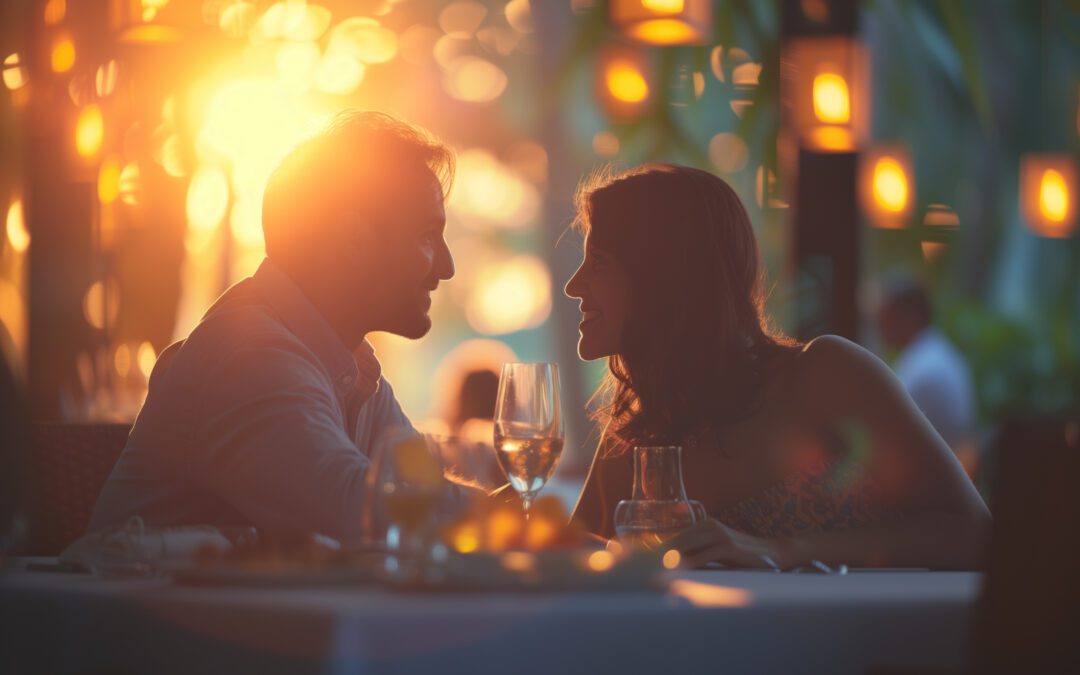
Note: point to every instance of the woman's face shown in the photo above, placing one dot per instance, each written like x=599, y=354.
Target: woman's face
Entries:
x=602, y=285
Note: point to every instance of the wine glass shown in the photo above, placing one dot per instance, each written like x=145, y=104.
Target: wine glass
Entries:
x=528, y=426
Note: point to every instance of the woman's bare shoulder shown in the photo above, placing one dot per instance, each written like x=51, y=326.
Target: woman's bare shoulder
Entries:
x=833, y=368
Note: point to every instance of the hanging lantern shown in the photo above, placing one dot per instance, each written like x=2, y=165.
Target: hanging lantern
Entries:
x=827, y=81
x=886, y=186
x=663, y=22
x=623, y=81
x=1048, y=193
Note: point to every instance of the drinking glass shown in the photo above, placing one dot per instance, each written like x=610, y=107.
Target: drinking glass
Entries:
x=658, y=508
x=405, y=490
x=528, y=426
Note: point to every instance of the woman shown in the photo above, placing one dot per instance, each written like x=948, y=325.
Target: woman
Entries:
x=799, y=452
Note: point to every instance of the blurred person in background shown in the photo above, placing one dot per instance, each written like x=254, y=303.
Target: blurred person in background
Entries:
x=799, y=452
x=933, y=371
x=271, y=411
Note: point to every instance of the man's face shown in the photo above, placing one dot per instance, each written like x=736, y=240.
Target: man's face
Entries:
x=406, y=254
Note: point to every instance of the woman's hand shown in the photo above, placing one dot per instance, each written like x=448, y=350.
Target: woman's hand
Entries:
x=712, y=541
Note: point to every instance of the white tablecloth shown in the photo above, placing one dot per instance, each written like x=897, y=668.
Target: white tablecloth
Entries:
x=709, y=622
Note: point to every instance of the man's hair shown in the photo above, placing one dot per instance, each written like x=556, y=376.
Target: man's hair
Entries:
x=321, y=176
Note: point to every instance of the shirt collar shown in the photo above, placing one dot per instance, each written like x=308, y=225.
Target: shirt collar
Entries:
x=306, y=323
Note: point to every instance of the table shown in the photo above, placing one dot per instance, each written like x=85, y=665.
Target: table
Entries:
x=708, y=622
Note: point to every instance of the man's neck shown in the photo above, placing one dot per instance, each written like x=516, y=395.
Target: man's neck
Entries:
x=329, y=301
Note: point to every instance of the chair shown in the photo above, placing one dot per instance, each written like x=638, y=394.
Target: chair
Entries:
x=69, y=464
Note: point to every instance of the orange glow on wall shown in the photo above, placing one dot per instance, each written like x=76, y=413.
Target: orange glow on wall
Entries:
x=886, y=186
x=63, y=55
x=1048, y=193
x=663, y=22
x=89, y=131
x=826, y=80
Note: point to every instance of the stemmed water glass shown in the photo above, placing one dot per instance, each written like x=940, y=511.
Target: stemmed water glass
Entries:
x=528, y=426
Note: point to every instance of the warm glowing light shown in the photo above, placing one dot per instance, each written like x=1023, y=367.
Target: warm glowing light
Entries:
x=1053, y=196
x=89, y=131
x=490, y=193
x=245, y=222
x=665, y=32
x=364, y=39
x=1048, y=189
x=55, y=11
x=467, y=539
x=728, y=152
x=663, y=22
x=151, y=34
x=17, y=235
x=105, y=78
x=63, y=55
x=940, y=215
x=146, y=358
x=130, y=183
x=13, y=316
x=417, y=44
x=122, y=360
x=836, y=139
x=101, y=302
x=519, y=15
x=462, y=18
x=207, y=198
x=295, y=61
x=518, y=561
x=14, y=72
x=626, y=83
x=151, y=8
x=671, y=559
x=746, y=74
x=832, y=104
x=473, y=79
x=601, y=561
x=890, y=185
x=699, y=84
x=338, y=73
x=510, y=296
x=605, y=144
x=237, y=18
x=710, y=595
x=664, y=6
x=108, y=186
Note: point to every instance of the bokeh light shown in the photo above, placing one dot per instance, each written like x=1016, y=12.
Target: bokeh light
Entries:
x=473, y=79
x=1053, y=196
x=207, y=198
x=605, y=144
x=462, y=18
x=55, y=10
x=626, y=82
x=89, y=131
x=728, y=152
x=17, y=235
x=101, y=304
x=487, y=192
x=14, y=72
x=364, y=39
x=890, y=185
x=63, y=55
x=509, y=296
x=108, y=184
x=832, y=103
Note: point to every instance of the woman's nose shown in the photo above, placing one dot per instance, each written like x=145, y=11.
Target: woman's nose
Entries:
x=573, y=286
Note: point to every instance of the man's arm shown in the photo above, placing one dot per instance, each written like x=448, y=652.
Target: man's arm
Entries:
x=272, y=443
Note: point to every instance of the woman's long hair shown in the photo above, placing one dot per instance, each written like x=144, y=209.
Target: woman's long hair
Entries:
x=696, y=349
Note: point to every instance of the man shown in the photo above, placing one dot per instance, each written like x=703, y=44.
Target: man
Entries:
x=269, y=413
x=932, y=370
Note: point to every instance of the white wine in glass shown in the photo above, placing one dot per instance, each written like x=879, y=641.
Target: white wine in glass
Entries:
x=528, y=426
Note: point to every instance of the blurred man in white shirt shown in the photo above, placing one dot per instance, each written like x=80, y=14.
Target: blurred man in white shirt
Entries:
x=932, y=370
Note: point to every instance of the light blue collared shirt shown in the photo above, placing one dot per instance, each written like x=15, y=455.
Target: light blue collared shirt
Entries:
x=247, y=422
